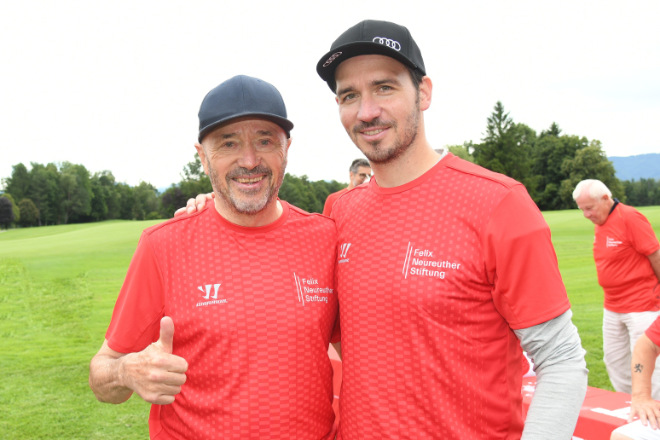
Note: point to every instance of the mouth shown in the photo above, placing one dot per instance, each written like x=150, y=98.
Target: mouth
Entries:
x=249, y=180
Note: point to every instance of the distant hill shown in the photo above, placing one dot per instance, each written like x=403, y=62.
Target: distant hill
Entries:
x=642, y=166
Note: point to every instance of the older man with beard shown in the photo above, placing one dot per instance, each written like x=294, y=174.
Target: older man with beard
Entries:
x=248, y=286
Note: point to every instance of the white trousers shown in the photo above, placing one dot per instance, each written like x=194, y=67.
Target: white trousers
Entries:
x=620, y=332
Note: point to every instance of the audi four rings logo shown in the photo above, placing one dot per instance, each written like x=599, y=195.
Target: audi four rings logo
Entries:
x=331, y=59
x=392, y=44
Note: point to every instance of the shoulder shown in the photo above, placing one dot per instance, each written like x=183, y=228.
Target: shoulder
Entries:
x=475, y=171
x=176, y=225
x=300, y=215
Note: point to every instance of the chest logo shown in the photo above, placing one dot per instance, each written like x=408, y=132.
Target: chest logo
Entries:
x=343, y=252
x=210, y=294
x=612, y=242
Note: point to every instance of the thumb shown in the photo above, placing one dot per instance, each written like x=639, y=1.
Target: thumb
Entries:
x=166, y=334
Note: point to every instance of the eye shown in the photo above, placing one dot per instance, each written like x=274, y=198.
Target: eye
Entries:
x=348, y=97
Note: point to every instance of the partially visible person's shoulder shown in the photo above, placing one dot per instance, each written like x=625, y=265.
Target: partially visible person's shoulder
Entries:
x=477, y=171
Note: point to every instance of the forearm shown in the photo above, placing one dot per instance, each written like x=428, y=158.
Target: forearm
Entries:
x=558, y=356
x=105, y=379
x=654, y=258
x=643, y=364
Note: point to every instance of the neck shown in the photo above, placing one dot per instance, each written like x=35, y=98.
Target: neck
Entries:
x=271, y=212
x=416, y=161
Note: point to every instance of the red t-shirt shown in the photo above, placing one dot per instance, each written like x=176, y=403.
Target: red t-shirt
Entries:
x=431, y=284
x=621, y=249
x=330, y=201
x=653, y=332
x=253, y=312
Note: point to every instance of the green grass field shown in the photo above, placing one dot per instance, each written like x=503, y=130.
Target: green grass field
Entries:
x=58, y=286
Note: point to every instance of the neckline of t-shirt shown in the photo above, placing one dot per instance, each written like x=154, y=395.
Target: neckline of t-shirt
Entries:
x=373, y=184
x=255, y=229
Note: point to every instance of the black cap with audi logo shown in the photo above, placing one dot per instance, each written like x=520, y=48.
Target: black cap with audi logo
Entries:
x=371, y=37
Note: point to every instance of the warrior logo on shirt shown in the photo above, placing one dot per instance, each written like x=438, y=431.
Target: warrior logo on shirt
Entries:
x=210, y=293
x=343, y=252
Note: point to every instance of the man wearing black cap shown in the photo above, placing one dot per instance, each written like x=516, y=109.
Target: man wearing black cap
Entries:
x=248, y=286
x=456, y=272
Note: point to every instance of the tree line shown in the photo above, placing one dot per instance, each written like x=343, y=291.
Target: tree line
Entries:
x=54, y=194
x=549, y=164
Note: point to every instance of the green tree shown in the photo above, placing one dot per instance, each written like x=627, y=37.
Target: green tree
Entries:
x=126, y=197
x=105, y=197
x=146, y=202
x=644, y=192
x=299, y=192
x=6, y=212
x=507, y=146
x=18, y=185
x=45, y=192
x=194, y=181
x=549, y=154
x=463, y=151
x=76, y=192
x=29, y=213
x=14, y=207
x=589, y=163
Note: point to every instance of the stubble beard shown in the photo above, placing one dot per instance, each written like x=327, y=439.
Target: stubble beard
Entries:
x=236, y=200
x=381, y=154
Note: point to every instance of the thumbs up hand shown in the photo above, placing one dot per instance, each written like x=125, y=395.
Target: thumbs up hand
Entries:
x=155, y=373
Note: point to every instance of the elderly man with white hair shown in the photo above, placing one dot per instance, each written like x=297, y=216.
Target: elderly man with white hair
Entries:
x=627, y=256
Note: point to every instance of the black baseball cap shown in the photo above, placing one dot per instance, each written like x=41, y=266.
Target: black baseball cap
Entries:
x=371, y=37
x=242, y=96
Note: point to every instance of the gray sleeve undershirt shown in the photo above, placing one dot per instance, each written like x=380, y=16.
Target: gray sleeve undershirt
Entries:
x=561, y=378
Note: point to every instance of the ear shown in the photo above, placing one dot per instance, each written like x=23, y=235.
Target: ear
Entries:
x=425, y=89
x=202, y=156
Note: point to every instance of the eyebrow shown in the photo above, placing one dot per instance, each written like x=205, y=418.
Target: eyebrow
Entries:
x=378, y=82
x=259, y=132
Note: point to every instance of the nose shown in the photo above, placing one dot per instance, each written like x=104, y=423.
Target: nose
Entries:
x=248, y=157
x=369, y=109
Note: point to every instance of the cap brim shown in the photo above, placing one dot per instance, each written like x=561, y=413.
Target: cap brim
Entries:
x=326, y=67
x=286, y=125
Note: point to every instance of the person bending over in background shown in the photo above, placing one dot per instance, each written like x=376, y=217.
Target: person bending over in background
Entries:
x=627, y=256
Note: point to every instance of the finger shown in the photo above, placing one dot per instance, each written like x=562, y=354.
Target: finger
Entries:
x=200, y=201
x=653, y=421
x=179, y=212
x=166, y=334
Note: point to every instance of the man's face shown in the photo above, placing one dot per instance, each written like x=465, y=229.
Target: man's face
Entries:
x=379, y=106
x=594, y=209
x=245, y=160
x=363, y=173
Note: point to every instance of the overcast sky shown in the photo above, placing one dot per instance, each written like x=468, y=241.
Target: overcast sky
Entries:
x=117, y=85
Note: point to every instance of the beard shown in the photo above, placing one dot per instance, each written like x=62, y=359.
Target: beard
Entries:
x=247, y=202
x=381, y=154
